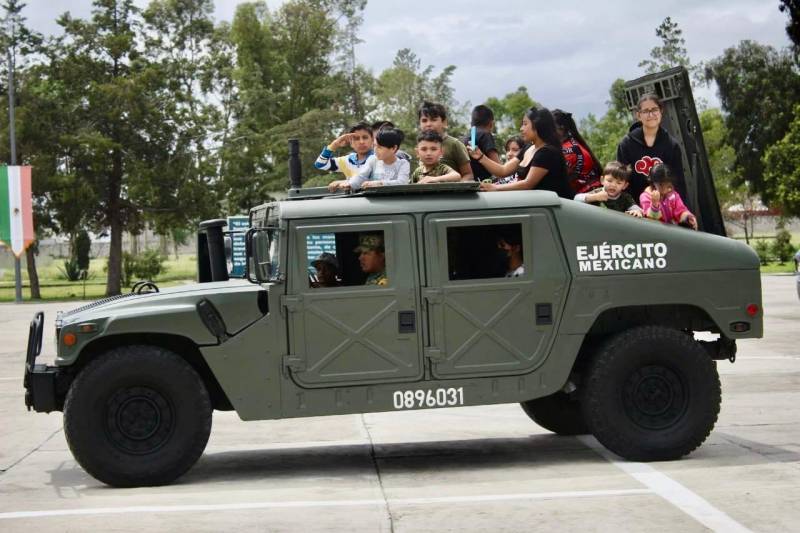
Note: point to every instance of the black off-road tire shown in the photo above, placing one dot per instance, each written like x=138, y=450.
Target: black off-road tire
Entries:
x=651, y=394
x=137, y=416
x=560, y=413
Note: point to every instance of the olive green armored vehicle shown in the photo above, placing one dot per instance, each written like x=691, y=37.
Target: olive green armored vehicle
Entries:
x=410, y=297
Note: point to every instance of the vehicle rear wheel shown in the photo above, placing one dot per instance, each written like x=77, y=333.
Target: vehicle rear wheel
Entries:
x=560, y=413
x=651, y=394
x=137, y=416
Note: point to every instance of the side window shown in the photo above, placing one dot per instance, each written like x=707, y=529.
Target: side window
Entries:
x=486, y=251
x=346, y=258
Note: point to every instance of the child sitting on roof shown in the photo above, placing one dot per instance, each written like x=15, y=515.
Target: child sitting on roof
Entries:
x=430, y=169
x=612, y=195
x=360, y=139
x=660, y=200
x=381, y=168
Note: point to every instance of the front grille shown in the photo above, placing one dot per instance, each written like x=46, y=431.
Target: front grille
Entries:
x=99, y=303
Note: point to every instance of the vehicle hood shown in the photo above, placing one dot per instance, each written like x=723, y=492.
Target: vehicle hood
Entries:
x=172, y=311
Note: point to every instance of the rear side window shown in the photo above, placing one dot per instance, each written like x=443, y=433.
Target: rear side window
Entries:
x=485, y=251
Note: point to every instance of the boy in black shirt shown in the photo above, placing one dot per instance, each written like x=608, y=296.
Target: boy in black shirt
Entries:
x=483, y=120
x=612, y=195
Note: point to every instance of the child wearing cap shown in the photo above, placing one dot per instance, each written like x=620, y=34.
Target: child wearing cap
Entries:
x=327, y=267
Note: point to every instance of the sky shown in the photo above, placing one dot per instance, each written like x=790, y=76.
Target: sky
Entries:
x=566, y=53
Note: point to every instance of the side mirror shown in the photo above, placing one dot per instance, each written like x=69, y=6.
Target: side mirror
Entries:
x=259, y=261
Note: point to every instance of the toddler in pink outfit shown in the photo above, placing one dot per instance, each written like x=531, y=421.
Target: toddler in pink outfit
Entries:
x=660, y=200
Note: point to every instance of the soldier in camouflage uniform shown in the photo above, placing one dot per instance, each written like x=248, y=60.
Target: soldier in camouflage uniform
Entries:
x=372, y=258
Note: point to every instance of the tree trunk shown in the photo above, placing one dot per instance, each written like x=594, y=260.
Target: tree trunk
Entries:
x=33, y=275
x=114, y=280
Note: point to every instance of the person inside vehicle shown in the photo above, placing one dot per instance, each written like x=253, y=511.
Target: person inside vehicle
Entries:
x=510, y=243
x=327, y=267
x=372, y=258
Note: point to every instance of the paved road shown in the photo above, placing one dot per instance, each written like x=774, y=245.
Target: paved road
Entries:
x=465, y=469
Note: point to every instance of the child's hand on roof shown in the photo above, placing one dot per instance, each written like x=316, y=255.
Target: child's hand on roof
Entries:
x=338, y=185
x=688, y=218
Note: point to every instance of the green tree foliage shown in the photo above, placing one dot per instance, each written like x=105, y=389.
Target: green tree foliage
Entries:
x=671, y=53
x=792, y=8
x=119, y=127
x=603, y=134
x=176, y=185
x=403, y=87
x=81, y=249
x=20, y=45
x=758, y=87
x=782, y=248
x=781, y=171
x=286, y=86
x=508, y=111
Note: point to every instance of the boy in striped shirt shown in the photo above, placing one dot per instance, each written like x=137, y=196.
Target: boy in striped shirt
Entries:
x=359, y=137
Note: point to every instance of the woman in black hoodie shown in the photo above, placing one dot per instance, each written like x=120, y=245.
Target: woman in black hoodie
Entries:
x=647, y=144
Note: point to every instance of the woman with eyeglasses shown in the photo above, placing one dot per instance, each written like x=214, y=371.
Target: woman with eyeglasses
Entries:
x=647, y=144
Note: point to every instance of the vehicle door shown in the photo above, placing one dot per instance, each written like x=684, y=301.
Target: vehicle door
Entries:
x=363, y=327
x=486, y=315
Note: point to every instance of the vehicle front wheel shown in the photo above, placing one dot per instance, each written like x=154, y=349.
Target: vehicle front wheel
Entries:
x=560, y=413
x=137, y=416
x=651, y=394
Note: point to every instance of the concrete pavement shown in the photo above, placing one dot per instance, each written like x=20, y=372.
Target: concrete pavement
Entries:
x=462, y=469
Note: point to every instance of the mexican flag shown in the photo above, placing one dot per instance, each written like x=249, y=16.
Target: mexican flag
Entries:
x=16, y=213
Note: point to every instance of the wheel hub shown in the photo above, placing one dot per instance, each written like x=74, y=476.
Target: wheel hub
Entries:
x=139, y=420
x=654, y=397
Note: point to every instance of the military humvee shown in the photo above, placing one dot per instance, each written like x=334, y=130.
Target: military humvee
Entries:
x=584, y=316
x=594, y=335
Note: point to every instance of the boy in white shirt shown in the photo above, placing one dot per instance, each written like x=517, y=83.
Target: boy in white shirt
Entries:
x=382, y=168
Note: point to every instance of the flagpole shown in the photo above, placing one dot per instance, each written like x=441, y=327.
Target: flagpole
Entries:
x=13, y=140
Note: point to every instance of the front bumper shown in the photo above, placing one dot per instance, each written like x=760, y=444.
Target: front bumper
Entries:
x=40, y=380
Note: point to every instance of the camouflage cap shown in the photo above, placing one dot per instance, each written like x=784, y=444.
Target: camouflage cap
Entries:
x=327, y=258
x=368, y=242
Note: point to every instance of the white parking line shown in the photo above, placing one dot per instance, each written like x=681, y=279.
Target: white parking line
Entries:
x=322, y=503
x=672, y=491
x=18, y=378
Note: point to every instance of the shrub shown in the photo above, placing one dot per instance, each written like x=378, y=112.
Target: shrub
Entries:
x=782, y=247
x=149, y=265
x=71, y=271
x=81, y=249
x=762, y=248
x=145, y=266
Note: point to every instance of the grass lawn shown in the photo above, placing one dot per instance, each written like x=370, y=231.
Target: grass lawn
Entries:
x=53, y=286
